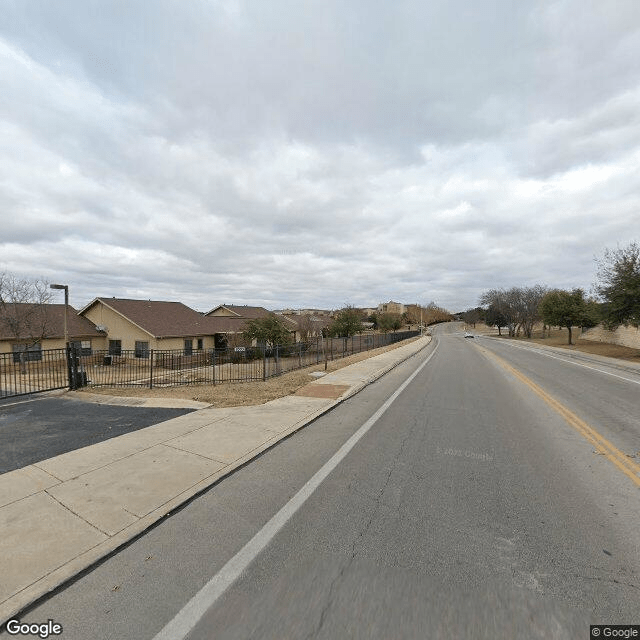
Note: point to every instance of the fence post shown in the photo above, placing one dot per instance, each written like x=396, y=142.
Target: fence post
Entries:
x=67, y=350
x=277, y=361
x=213, y=364
x=264, y=362
x=74, y=367
x=151, y=371
x=300, y=355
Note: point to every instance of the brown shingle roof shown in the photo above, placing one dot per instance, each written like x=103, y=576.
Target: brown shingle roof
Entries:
x=250, y=313
x=45, y=321
x=243, y=311
x=158, y=318
x=171, y=319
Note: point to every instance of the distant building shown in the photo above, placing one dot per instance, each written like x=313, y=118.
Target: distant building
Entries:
x=391, y=307
x=246, y=312
x=303, y=312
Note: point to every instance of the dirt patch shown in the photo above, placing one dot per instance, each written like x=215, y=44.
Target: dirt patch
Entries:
x=245, y=393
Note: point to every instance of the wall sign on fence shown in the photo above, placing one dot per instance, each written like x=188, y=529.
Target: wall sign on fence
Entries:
x=241, y=349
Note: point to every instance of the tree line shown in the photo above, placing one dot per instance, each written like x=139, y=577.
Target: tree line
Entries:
x=616, y=300
x=347, y=322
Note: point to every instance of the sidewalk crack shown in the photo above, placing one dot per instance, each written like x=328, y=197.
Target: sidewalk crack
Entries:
x=35, y=464
x=64, y=506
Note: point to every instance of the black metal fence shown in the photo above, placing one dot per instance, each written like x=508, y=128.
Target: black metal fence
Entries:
x=23, y=373
x=160, y=368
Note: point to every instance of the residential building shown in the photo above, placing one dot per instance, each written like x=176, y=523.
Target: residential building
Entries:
x=32, y=328
x=391, y=307
x=141, y=325
x=246, y=312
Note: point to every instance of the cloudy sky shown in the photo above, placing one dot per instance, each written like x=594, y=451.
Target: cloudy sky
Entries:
x=315, y=152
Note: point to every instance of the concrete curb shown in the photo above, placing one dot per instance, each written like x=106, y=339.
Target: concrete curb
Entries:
x=70, y=569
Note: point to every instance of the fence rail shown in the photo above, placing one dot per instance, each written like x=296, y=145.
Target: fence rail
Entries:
x=160, y=368
x=23, y=373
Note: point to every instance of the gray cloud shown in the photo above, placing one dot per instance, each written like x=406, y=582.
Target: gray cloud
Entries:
x=308, y=154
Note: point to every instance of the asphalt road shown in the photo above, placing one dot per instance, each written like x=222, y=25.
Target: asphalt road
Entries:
x=474, y=507
x=38, y=428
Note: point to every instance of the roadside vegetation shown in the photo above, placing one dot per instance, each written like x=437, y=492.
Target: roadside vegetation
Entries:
x=615, y=301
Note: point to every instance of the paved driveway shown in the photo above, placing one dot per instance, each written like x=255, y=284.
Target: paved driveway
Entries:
x=37, y=428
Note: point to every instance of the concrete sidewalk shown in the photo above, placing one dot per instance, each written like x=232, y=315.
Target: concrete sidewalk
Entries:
x=59, y=516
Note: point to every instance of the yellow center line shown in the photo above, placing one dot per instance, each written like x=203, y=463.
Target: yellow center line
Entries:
x=606, y=448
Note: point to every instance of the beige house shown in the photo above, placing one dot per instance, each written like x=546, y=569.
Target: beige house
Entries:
x=141, y=325
x=246, y=312
x=238, y=311
x=32, y=328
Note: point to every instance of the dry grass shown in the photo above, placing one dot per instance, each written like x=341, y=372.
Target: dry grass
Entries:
x=559, y=338
x=245, y=393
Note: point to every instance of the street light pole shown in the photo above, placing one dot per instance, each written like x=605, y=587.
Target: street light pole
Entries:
x=71, y=362
x=66, y=309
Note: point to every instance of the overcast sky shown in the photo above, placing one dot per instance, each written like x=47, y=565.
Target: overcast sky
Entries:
x=301, y=153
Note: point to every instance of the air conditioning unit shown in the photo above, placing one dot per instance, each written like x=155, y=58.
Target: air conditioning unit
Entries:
x=101, y=327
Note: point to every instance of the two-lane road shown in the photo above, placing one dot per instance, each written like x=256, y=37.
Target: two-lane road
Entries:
x=473, y=506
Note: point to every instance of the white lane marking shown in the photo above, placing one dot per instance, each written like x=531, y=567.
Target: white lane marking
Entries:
x=577, y=364
x=187, y=618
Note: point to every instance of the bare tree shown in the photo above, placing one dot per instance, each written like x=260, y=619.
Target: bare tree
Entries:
x=471, y=316
x=525, y=301
x=432, y=313
x=305, y=327
x=518, y=307
x=501, y=302
x=23, y=310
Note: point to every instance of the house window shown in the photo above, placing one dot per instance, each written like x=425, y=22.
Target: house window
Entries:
x=188, y=346
x=115, y=347
x=83, y=347
x=200, y=344
x=142, y=349
x=27, y=353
